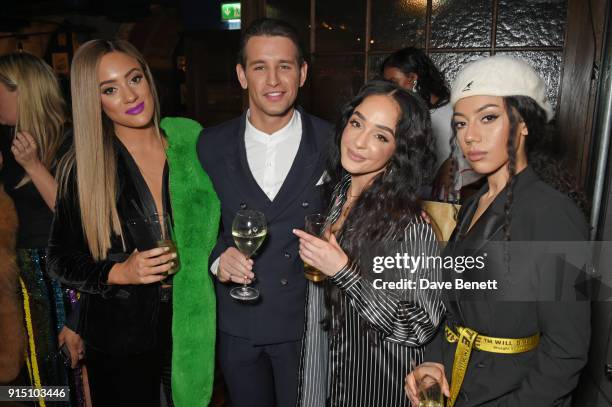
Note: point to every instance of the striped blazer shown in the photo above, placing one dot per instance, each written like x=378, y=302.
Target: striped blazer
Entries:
x=347, y=366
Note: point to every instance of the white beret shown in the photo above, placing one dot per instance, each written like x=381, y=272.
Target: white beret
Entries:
x=500, y=75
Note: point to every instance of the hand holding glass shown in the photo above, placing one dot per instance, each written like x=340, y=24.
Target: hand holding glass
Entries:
x=249, y=230
x=315, y=225
x=430, y=393
x=149, y=232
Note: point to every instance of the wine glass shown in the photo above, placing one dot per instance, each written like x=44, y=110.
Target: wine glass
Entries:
x=249, y=230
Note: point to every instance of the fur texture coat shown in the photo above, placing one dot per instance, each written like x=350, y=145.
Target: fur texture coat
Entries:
x=11, y=326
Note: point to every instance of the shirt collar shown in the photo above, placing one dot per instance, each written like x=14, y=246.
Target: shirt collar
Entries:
x=292, y=128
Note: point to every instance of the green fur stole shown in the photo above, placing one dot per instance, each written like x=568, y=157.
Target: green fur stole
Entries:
x=196, y=213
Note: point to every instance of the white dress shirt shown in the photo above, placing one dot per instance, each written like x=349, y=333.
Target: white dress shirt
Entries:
x=270, y=157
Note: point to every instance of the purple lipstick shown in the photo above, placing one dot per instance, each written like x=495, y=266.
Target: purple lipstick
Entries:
x=136, y=109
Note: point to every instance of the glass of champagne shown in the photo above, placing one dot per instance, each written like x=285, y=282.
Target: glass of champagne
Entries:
x=430, y=393
x=149, y=232
x=315, y=225
x=249, y=230
x=166, y=239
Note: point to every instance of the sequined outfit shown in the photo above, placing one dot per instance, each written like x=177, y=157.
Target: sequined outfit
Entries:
x=45, y=307
x=45, y=304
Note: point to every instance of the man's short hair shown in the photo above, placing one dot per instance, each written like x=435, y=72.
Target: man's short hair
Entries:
x=270, y=27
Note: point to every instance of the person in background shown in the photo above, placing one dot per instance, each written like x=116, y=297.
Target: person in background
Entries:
x=515, y=346
x=142, y=329
x=370, y=335
x=32, y=107
x=413, y=70
x=271, y=159
x=11, y=313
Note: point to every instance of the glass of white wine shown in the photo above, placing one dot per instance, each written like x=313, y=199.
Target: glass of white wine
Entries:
x=249, y=230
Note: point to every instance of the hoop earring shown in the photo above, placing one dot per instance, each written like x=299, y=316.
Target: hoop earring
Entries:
x=414, y=87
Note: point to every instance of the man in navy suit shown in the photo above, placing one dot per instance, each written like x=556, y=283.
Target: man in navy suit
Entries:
x=270, y=159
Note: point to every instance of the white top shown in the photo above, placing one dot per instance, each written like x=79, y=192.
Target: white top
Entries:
x=442, y=131
x=270, y=157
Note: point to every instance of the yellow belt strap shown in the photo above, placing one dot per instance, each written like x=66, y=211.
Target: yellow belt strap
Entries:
x=32, y=358
x=467, y=339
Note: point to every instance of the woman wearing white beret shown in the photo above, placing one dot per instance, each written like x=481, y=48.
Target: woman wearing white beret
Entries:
x=517, y=345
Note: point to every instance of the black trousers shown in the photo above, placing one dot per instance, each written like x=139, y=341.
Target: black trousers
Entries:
x=259, y=376
x=133, y=380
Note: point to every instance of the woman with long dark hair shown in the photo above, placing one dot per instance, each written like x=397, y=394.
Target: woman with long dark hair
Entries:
x=413, y=70
x=525, y=343
x=362, y=332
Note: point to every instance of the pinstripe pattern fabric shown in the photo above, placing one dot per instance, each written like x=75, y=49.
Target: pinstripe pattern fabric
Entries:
x=352, y=368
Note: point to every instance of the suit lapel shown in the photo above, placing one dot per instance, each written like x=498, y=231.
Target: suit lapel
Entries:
x=469, y=242
x=493, y=219
x=240, y=174
x=490, y=223
x=302, y=172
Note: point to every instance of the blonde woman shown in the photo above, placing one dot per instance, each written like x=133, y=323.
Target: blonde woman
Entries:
x=32, y=107
x=128, y=165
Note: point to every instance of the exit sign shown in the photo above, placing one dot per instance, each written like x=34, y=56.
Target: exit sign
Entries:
x=230, y=11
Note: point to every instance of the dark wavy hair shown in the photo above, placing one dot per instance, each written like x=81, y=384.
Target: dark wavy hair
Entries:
x=392, y=200
x=543, y=156
x=430, y=79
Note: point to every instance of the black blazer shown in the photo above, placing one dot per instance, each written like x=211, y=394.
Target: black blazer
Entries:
x=117, y=319
x=547, y=375
x=278, y=316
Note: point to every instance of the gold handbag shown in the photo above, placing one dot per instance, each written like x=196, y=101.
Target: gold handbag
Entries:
x=443, y=218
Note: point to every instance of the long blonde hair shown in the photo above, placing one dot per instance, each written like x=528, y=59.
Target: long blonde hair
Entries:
x=94, y=152
x=41, y=110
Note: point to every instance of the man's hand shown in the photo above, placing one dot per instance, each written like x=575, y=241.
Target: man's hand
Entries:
x=235, y=267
